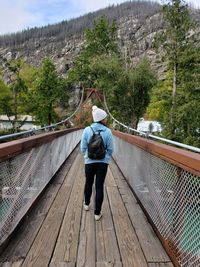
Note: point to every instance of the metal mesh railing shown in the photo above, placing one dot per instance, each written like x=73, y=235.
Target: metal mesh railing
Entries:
x=169, y=194
x=24, y=176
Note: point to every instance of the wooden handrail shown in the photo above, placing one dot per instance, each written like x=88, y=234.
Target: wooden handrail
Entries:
x=12, y=148
x=184, y=159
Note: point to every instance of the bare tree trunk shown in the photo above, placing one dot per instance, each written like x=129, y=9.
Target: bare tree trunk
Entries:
x=134, y=121
x=173, y=99
x=50, y=114
x=15, y=111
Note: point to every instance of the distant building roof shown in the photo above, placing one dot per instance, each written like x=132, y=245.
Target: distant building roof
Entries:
x=147, y=126
x=20, y=118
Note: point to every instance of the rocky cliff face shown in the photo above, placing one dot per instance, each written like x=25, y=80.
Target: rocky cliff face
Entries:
x=135, y=41
x=135, y=36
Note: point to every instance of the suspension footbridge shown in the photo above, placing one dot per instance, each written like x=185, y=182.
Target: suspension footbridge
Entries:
x=150, y=210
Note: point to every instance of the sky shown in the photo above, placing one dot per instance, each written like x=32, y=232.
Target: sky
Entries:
x=17, y=15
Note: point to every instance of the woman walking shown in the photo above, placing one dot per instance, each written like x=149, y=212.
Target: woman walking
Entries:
x=97, y=148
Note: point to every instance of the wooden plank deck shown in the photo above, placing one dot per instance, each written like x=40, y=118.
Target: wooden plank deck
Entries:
x=58, y=232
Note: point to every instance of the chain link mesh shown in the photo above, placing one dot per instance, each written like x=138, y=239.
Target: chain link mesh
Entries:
x=170, y=195
x=24, y=176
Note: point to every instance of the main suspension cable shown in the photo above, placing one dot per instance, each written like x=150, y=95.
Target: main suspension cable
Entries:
x=51, y=126
x=168, y=141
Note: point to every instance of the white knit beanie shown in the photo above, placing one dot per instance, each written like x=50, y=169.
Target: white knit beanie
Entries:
x=98, y=114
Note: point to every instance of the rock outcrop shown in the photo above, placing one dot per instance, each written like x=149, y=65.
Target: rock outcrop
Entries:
x=136, y=32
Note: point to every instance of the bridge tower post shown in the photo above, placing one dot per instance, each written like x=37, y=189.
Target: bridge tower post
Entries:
x=84, y=117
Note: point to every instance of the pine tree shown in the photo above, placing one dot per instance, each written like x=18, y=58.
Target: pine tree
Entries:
x=17, y=87
x=181, y=52
x=49, y=90
x=100, y=40
x=100, y=65
x=178, y=24
x=6, y=107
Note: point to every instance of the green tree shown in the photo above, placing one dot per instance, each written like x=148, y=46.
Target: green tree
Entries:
x=127, y=93
x=160, y=100
x=17, y=87
x=142, y=79
x=100, y=40
x=178, y=24
x=111, y=79
x=188, y=109
x=49, y=89
x=182, y=55
x=30, y=75
x=100, y=65
x=5, y=100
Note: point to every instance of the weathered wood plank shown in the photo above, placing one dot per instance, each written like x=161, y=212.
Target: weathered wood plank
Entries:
x=110, y=181
x=109, y=264
x=160, y=264
x=151, y=245
x=40, y=252
x=66, y=246
x=42, y=248
x=100, y=243
x=17, y=264
x=86, y=248
x=107, y=247
x=130, y=249
x=62, y=264
x=66, y=167
x=95, y=243
x=119, y=178
x=21, y=242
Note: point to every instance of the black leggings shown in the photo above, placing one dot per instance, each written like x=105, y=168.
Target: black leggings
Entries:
x=100, y=170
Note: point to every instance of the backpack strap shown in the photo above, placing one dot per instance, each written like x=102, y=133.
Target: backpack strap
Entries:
x=92, y=130
x=99, y=131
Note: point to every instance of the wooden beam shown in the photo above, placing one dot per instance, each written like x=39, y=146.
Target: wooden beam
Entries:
x=187, y=160
x=12, y=148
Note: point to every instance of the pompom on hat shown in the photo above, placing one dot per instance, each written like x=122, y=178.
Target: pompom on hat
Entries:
x=98, y=114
